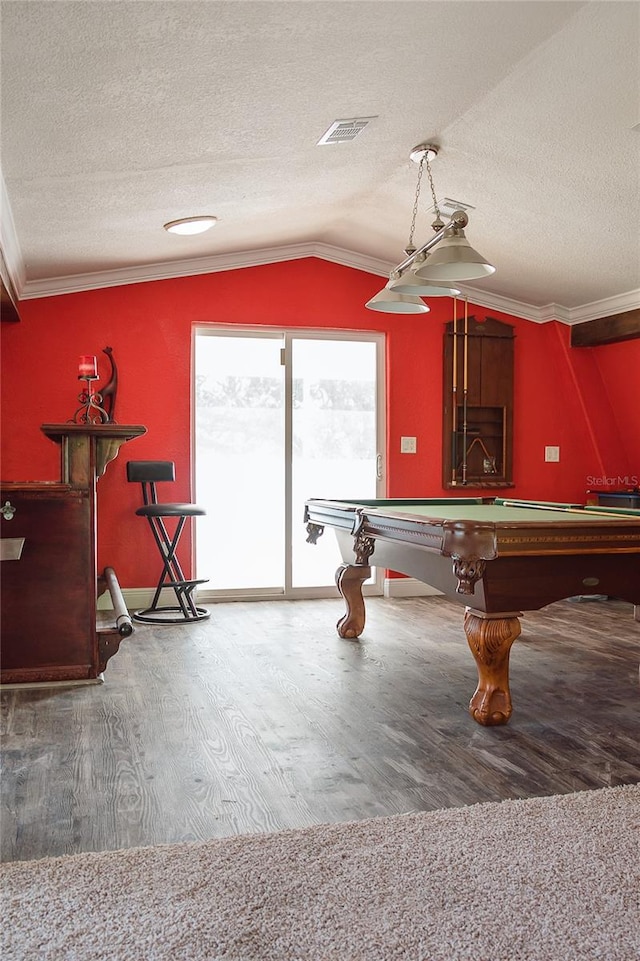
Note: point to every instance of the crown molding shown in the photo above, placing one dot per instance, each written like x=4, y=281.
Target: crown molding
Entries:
x=169, y=270
x=75, y=283
x=349, y=258
x=9, y=245
x=549, y=312
x=554, y=312
x=517, y=308
x=605, y=308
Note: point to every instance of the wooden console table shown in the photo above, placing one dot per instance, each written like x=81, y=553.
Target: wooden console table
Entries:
x=50, y=582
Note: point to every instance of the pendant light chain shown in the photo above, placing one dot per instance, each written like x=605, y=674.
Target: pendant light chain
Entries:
x=437, y=224
x=410, y=248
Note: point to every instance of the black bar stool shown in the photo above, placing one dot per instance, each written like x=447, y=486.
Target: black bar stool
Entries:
x=148, y=473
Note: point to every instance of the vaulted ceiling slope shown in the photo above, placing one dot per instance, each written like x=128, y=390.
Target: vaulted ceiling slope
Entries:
x=120, y=116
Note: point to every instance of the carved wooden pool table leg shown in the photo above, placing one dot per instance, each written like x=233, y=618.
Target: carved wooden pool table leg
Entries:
x=490, y=637
x=350, y=580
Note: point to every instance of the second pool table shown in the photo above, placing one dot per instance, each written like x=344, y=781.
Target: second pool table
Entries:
x=497, y=559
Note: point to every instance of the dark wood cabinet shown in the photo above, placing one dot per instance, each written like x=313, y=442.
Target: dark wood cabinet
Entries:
x=477, y=448
x=50, y=582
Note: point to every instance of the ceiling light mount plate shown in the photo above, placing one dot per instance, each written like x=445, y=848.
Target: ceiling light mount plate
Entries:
x=426, y=151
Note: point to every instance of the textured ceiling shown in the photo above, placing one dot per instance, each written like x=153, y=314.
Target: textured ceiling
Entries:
x=118, y=117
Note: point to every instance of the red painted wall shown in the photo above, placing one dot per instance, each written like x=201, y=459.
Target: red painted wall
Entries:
x=583, y=401
x=618, y=390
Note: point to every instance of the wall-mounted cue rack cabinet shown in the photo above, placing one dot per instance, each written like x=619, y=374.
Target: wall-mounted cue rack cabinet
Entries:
x=477, y=435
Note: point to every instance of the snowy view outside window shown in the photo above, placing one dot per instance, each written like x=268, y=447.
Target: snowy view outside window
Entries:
x=243, y=451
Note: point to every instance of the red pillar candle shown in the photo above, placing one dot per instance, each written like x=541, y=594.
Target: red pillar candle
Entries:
x=88, y=367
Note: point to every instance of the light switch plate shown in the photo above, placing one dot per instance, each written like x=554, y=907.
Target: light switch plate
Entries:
x=408, y=445
x=552, y=454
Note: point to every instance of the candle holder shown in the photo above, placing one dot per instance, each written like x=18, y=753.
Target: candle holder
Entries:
x=96, y=407
x=90, y=410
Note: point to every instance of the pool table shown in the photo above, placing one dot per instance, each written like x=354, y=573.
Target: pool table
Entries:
x=497, y=559
x=630, y=498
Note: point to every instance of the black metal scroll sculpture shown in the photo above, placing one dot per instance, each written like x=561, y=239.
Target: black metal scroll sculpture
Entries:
x=109, y=391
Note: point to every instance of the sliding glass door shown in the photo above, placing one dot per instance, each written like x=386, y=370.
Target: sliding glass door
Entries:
x=280, y=416
x=240, y=471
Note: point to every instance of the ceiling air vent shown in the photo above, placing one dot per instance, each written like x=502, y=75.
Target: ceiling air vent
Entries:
x=342, y=131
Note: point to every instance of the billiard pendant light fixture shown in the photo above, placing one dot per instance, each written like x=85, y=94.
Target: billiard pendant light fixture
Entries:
x=390, y=301
x=423, y=274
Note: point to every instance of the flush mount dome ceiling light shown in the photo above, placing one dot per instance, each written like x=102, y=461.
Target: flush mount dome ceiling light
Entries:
x=191, y=225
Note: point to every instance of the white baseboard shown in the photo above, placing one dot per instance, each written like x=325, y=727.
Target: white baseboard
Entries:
x=135, y=598
x=139, y=598
x=407, y=587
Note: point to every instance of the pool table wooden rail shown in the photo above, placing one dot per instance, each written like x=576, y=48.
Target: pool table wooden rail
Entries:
x=470, y=543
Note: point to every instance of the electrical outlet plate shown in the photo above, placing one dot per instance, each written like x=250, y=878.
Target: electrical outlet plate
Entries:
x=408, y=445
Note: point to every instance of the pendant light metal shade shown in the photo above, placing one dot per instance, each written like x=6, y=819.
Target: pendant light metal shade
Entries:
x=454, y=259
x=410, y=283
x=390, y=302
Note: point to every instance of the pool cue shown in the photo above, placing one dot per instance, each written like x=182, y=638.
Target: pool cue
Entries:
x=465, y=390
x=454, y=414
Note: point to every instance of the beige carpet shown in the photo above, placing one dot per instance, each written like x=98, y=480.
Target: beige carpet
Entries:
x=548, y=878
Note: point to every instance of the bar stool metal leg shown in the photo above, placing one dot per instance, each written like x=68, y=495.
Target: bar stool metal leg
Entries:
x=172, y=576
x=147, y=473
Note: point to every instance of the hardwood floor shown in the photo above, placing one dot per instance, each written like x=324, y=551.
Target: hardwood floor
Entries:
x=262, y=718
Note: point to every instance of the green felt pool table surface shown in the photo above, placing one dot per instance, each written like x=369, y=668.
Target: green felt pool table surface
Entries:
x=500, y=511
x=496, y=513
